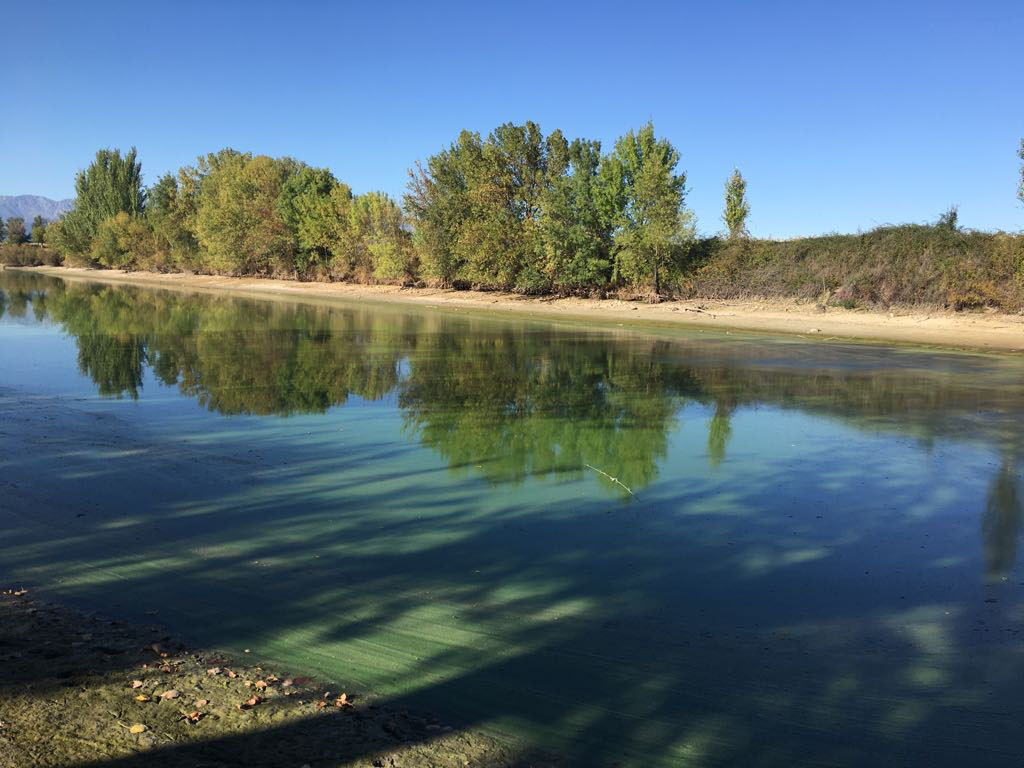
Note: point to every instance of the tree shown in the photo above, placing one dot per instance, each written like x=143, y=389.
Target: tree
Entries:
x=439, y=204
x=170, y=212
x=238, y=221
x=3, y=229
x=123, y=242
x=39, y=230
x=949, y=219
x=649, y=207
x=112, y=184
x=577, y=231
x=382, y=231
x=1020, y=154
x=308, y=209
x=736, y=206
x=16, y=230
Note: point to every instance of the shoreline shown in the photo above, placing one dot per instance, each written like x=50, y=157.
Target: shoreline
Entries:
x=986, y=331
x=86, y=688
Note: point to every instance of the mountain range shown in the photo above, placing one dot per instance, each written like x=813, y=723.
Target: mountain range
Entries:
x=30, y=206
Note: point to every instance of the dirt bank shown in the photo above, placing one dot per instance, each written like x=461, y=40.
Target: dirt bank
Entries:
x=976, y=330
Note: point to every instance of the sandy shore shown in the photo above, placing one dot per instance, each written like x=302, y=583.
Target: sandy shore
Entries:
x=974, y=330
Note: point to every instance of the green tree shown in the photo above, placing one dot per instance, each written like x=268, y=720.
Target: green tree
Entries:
x=39, y=230
x=112, y=184
x=170, y=213
x=383, y=233
x=649, y=208
x=3, y=230
x=123, y=242
x=238, y=221
x=950, y=219
x=16, y=230
x=1020, y=154
x=439, y=204
x=309, y=207
x=577, y=232
x=736, y=206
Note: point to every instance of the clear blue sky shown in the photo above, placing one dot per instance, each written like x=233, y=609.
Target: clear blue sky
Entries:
x=842, y=115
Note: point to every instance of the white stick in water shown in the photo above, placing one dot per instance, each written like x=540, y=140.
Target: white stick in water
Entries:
x=613, y=479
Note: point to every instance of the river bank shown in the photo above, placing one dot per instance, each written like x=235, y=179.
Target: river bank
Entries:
x=86, y=690
x=978, y=330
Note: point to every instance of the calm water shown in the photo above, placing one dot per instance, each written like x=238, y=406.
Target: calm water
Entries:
x=649, y=547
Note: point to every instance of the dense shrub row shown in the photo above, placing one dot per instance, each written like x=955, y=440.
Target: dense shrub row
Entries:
x=908, y=264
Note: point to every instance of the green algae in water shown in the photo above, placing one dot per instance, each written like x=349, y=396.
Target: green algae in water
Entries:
x=816, y=560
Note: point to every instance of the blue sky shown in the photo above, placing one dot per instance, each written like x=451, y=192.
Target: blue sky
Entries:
x=842, y=115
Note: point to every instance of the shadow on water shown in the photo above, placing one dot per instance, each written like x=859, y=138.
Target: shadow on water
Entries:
x=819, y=597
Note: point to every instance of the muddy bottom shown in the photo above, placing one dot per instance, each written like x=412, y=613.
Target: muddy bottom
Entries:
x=78, y=689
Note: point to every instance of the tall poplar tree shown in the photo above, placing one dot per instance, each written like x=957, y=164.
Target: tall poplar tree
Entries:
x=736, y=206
x=112, y=184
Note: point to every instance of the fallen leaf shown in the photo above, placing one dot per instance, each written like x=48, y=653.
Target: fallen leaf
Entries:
x=232, y=674
x=200, y=703
x=171, y=694
x=287, y=684
x=138, y=728
x=342, y=702
x=136, y=684
x=260, y=685
x=193, y=717
x=142, y=697
x=213, y=671
x=247, y=683
x=251, y=702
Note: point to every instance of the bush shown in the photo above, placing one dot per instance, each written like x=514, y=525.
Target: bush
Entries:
x=909, y=264
x=26, y=255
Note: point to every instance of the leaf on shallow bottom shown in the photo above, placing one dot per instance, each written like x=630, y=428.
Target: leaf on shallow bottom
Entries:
x=171, y=694
x=136, y=684
x=213, y=671
x=138, y=728
x=232, y=674
x=142, y=697
x=260, y=685
x=200, y=703
x=251, y=702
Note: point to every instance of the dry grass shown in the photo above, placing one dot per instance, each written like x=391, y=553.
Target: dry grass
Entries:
x=896, y=265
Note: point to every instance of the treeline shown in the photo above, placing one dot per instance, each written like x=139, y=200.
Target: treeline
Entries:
x=515, y=210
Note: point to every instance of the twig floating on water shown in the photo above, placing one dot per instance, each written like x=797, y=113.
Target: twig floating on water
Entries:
x=613, y=479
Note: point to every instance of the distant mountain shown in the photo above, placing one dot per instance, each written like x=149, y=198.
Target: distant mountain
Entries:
x=30, y=206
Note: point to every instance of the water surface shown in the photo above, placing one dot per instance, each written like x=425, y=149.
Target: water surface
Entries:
x=657, y=548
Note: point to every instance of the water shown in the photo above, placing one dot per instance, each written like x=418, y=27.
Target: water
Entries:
x=652, y=547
